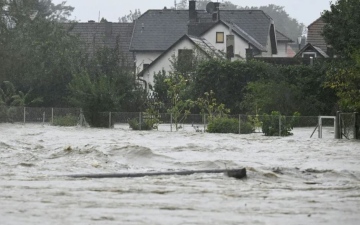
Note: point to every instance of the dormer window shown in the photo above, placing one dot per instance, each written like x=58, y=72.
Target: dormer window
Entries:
x=219, y=37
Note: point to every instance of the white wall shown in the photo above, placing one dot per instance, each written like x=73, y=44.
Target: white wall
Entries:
x=164, y=62
x=282, y=49
x=268, y=48
x=144, y=58
x=240, y=44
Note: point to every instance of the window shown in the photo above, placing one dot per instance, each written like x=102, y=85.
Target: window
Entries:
x=219, y=37
x=309, y=54
x=145, y=66
x=185, y=60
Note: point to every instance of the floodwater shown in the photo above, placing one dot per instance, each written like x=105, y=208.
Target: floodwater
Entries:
x=291, y=180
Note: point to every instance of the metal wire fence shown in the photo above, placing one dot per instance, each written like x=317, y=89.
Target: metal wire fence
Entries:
x=240, y=124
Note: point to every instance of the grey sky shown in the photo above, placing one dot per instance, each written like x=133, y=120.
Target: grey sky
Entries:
x=305, y=11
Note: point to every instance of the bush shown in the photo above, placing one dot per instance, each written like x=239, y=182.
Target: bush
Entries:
x=229, y=125
x=145, y=125
x=270, y=124
x=65, y=121
x=247, y=128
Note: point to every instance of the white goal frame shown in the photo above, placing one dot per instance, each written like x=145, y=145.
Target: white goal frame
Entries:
x=320, y=124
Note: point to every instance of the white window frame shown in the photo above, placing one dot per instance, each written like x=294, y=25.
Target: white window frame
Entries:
x=309, y=53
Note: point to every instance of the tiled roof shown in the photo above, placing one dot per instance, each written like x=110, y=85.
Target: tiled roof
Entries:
x=248, y=37
x=97, y=35
x=206, y=47
x=282, y=37
x=159, y=29
x=310, y=48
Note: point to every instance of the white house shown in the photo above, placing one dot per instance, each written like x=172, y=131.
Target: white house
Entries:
x=236, y=34
x=186, y=47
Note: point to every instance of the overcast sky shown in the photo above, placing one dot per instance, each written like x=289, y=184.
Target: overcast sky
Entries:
x=305, y=11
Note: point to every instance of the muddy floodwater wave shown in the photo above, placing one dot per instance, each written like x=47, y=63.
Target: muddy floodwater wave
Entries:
x=290, y=180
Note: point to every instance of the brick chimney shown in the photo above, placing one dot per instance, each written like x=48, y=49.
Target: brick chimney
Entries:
x=108, y=29
x=192, y=11
x=217, y=11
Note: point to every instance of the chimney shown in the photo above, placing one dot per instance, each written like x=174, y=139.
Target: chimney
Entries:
x=108, y=29
x=217, y=9
x=192, y=11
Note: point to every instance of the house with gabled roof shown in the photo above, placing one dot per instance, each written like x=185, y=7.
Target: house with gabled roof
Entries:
x=316, y=46
x=237, y=34
x=185, y=50
x=105, y=34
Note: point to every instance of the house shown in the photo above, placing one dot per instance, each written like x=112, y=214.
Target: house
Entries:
x=313, y=51
x=237, y=34
x=183, y=50
x=99, y=35
x=316, y=46
x=284, y=46
x=314, y=34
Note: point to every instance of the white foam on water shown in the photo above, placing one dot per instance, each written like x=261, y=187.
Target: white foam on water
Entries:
x=291, y=180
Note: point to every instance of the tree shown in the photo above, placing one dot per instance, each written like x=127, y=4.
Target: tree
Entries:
x=342, y=27
x=201, y=4
x=344, y=78
x=228, y=79
x=180, y=106
x=132, y=16
x=283, y=22
x=103, y=85
x=297, y=88
x=36, y=51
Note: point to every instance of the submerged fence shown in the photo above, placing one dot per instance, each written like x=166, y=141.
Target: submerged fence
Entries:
x=240, y=124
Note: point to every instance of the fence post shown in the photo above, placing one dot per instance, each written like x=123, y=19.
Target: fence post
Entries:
x=320, y=127
x=43, y=118
x=24, y=115
x=140, y=120
x=81, y=118
x=109, y=120
x=171, y=122
x=239, y=124
x=280, y=125
x=356, y=127
x=52, y=116
x=337, y=126
x=204, y=122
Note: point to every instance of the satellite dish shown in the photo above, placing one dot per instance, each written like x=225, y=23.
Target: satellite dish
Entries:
x=210, y=7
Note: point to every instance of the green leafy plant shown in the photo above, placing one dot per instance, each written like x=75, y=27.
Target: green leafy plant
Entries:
x=65, y=121
x=209, y=106
x=229, y=125
x=135, y=125
x=179, y=108
x=271, y=124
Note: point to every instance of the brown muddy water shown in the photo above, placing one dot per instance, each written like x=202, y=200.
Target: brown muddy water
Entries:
x=291, y=180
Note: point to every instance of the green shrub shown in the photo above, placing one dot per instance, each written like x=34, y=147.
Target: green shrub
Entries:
x=246, y=128
x=270, y=124
x=65, y=121
x=145, y=125
x=229, y=125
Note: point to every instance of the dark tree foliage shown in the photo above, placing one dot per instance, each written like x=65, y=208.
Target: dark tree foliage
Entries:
x=256, y=87
x=342, y=29
x=103, y=85
x=201, y=4
x=36, y=51
x=228, y=79
x=132, y=16
x=283, y=21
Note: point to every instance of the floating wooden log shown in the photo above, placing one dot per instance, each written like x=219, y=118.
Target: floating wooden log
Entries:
x=236, y=173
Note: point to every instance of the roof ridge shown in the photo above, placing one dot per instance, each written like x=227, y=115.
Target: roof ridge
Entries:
x=248, y=36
